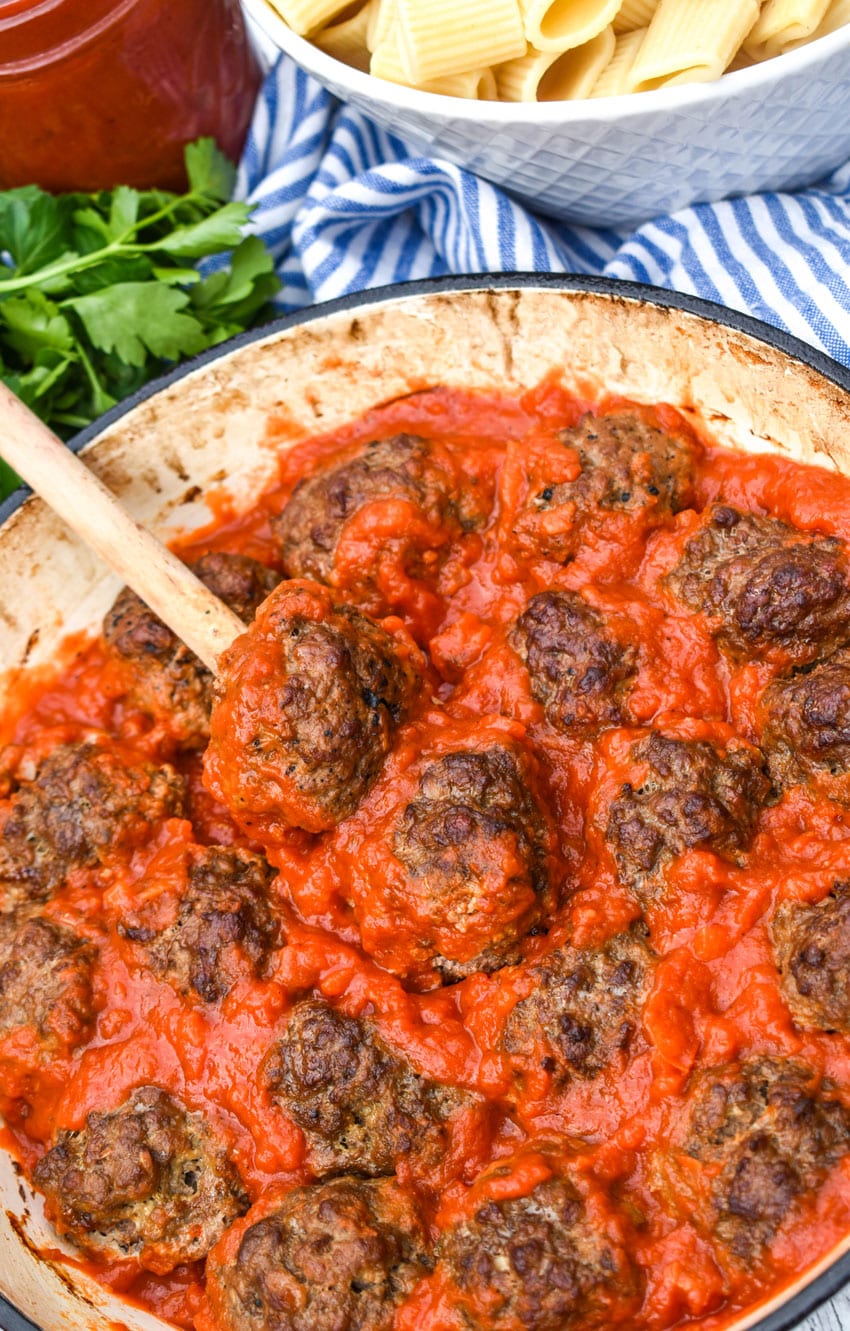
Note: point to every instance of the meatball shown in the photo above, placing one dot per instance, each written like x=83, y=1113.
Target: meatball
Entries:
x=147, y=1180
x=81, y=804
x=585, y=1006
x=811, y=944
x=169, y=681
x=221, y=928
x=473, y=843
x=765, y=585
x=766, y=1134
x=806, y=723
x=627, y=466
x=306, y=707
x=694, y=793
x=335, y=1256
x=45, y=984
x=404, y=468
x=539, y=1262
x=359, y=1105
x=578, y=669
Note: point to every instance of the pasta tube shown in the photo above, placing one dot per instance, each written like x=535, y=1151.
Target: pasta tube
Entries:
x=546, y=76
x=783, y=23
x=307, y=16
x=388, y=63
x=382, y=16
x=561, y=25
x=836, y=16
x=615, y=77
x=441, y=37
x=346, y=41
x=691, y=41
x=634, y=14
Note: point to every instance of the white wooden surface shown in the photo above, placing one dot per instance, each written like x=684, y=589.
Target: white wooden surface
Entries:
x=835, y=1316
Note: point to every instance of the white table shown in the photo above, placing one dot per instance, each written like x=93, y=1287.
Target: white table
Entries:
x=835, y=1316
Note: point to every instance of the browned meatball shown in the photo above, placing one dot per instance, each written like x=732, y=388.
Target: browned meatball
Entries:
x=578, y=669
x=694, y=793
x=404, y=467
x=221, y=928
x=81, y=803
x=539, y=1262
x=585, y=1006
x=767, y=1134
x=147, y=1180
x=360, y=1106
x=765, y=585
x=45, y=983
x=812, y=948
x=305, y=711
x=627, y=466
x=473, y=843
x=169, y=681
x=806, y=723
x=335, y=1256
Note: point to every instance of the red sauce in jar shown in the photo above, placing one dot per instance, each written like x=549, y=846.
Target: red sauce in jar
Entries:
x=715, y=995
x=109, y=92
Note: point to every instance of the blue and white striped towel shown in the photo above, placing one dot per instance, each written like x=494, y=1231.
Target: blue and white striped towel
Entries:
x=345, y=206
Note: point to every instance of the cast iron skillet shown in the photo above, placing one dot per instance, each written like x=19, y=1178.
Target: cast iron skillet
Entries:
x=837, y=1275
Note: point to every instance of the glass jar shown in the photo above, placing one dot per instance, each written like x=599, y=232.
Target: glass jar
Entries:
x=97, y=93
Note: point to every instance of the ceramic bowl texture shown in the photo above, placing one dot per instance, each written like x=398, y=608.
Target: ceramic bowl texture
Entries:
x=619, y=160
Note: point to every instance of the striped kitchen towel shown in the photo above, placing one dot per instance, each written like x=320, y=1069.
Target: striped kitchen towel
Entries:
x=345, y=206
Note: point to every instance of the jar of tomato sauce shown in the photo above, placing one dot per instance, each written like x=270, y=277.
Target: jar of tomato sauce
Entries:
x=97, y=93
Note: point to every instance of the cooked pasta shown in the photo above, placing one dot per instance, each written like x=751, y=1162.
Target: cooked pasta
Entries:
x=836, y=16
x=306, y=17
x=691, y=42
x=547, y=76
x=615, y=78
x=783, y=23
x=346, y=40
x=441, y=37
x=382, y=16
x=557, y=50
x=561, y=25
x=634, y=14
x=388, y=63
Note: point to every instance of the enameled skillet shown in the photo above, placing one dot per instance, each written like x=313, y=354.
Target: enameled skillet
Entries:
x=223, y=418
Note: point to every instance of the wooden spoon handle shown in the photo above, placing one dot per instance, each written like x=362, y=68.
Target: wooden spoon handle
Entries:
x=190, y=609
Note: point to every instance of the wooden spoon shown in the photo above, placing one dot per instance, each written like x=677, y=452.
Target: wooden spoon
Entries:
x=191, y=611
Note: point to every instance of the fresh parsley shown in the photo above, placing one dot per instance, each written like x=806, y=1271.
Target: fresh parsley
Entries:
x=99, y=292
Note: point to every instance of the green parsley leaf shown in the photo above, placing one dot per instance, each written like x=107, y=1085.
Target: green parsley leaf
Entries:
x=221, y=231
x=209, y=171
x=99, y=292
x=135, y=318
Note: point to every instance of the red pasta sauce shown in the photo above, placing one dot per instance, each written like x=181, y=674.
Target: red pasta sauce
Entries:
x=714, y=997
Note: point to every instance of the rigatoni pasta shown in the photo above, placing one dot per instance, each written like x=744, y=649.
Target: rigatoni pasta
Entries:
x=547, y=76
x=441, y=37
x=784, y=23
x=562, y=25
x=557, y=50
x=345, y=40
x=634, y=14
x=691, y=42
x=615, y=78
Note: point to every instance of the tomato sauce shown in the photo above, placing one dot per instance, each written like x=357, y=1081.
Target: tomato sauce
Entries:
x=109, y=92
x=715, y=994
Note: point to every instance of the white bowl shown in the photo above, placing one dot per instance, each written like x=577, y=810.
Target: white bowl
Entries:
x=620, y=160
